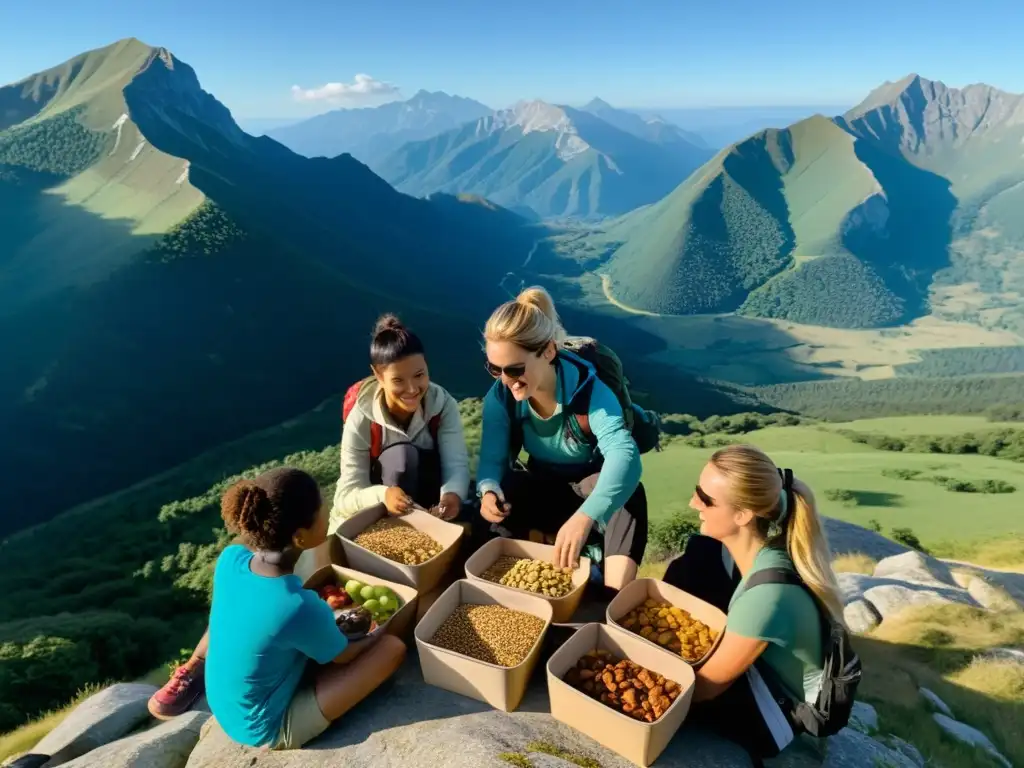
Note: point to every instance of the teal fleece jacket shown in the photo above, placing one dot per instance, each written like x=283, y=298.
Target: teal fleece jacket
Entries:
x=545, y=440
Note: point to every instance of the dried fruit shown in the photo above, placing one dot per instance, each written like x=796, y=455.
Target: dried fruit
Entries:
x=397, y=540
x=491, y=633
x=625, y=686
x=671, y=628
x=536, y=576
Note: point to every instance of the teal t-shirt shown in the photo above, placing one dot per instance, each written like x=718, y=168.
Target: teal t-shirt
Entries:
x=787, y=618
x=263, y=631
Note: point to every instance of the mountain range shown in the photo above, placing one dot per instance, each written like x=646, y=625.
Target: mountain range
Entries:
x=168, y=282
x=551, y=161
x=370, y=134
x=907, y=204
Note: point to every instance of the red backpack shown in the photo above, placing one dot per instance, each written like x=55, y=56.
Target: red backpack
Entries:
x=376, y=429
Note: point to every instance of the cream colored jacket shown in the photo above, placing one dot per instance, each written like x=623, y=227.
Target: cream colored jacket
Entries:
x=354, y=491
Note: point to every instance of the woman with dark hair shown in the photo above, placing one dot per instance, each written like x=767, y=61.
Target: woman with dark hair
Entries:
x=403, y=444
x=276, y=668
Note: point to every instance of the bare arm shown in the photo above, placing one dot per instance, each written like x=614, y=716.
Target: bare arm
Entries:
x=733, y=657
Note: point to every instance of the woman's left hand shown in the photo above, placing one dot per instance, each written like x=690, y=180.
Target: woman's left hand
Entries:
x=449, y=506
x=570, y=540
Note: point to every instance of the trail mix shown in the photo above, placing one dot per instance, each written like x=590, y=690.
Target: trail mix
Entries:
x=624, y=686
x=671, y=628
x=491, y=633
x=530, y=575
x=397, y=540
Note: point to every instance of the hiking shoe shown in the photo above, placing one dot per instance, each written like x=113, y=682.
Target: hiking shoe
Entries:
x=184, y=688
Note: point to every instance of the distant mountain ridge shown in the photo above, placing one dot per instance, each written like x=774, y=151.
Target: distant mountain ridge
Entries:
x=653, y=128
x=369, y=134
x=548, y=159
x=898, y=208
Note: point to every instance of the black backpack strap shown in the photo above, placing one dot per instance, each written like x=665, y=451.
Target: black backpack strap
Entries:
x=774, y=576
x=577, y=414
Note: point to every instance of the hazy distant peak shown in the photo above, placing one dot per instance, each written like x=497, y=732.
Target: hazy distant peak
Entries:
x=596, y=104
x=535, y=116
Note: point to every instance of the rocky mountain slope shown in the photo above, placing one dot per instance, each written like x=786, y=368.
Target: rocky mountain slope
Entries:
x=901, y=207
x=371, y=134
x=549, y=160
x=168, y=282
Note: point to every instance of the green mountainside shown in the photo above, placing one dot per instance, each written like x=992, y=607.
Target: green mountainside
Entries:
x=548, y=160
x=168, y=282
x=904, y=206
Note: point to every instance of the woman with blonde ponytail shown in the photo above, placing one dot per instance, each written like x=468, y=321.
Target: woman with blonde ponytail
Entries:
x=581, y=482
x=754, y=519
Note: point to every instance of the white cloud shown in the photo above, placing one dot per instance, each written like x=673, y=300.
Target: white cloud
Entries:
x=362, y=89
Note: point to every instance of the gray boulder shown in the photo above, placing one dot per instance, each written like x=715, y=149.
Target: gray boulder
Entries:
x=935, y=702
x=167, y=745
x=852, y=749
x=864, y=717
x=968, y=735
x=891, y=599
x=905, y=748
x=989, y=596
x=917, y=568
x=861, y=616
x=99, y=720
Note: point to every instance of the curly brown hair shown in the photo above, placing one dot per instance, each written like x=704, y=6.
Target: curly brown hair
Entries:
x=266, y=511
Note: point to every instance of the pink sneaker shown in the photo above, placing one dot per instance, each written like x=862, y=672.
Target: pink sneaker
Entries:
x=184, y=688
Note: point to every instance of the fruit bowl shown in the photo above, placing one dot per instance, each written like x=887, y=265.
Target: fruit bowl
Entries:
x=361, y=610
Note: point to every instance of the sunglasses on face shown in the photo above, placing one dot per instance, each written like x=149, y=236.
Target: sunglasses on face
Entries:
x=515, y=371
x=706, y=500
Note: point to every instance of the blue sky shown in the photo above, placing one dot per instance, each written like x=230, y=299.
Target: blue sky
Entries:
x=683, y=53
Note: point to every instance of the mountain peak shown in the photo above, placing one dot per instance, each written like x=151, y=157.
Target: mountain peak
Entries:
x=535, y=115
x=596, y=104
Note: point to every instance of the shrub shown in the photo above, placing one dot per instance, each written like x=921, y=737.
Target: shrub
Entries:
x=844, y=496
x=907, y=538
x=901, y=474
x=874, y=525
x=668, y=537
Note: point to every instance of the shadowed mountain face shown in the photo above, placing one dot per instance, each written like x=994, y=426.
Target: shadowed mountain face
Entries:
x=858, y=222
x=168, y=282
x=552, y=161
x=371, y=134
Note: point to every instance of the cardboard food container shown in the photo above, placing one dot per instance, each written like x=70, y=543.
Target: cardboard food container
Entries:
x=400, y=621
x=501, y=687
x=637, y=741
x=423, y=577
x=562, y=607
x=636, y=592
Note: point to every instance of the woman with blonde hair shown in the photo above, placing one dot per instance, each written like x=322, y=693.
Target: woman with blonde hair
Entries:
x=575, y=486
x=758, y=521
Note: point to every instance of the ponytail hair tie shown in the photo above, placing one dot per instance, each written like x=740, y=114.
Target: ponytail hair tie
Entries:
x=786, y=503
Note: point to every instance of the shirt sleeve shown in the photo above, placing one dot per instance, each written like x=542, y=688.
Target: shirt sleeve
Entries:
x=314, y=631
x=620, y=474
x=761, y=615
x=355, y=491
x=493, y=443
x=452, y=446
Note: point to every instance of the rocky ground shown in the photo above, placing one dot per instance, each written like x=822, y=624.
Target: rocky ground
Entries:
x=409, y=724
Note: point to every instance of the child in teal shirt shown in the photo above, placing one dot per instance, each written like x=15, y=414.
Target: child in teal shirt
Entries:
x=266, y=629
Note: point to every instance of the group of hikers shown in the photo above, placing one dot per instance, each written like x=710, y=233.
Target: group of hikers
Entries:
x=277, y=671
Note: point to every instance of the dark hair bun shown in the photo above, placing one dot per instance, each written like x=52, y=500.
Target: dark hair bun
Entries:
x=386, y=323
x=243, y=505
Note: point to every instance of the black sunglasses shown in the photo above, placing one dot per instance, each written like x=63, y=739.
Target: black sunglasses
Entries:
x=706, y=500
x=516, y=371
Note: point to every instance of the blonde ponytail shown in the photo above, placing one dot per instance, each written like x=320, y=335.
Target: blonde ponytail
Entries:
x=755, y=484
x=529, y=321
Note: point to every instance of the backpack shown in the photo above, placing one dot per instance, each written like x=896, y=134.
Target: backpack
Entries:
x=377, y=430
x=643, y=425
x=841, y=671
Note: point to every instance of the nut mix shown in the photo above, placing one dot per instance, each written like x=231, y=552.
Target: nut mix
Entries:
x=490, y=633
x=623, y=685
x=531, y=575
x=671, y=628
x=397, y=540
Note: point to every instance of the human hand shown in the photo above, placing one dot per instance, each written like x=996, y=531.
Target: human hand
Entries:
x=570, y=540
x=449, y=506
x=397, y=501
x=492, y=510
